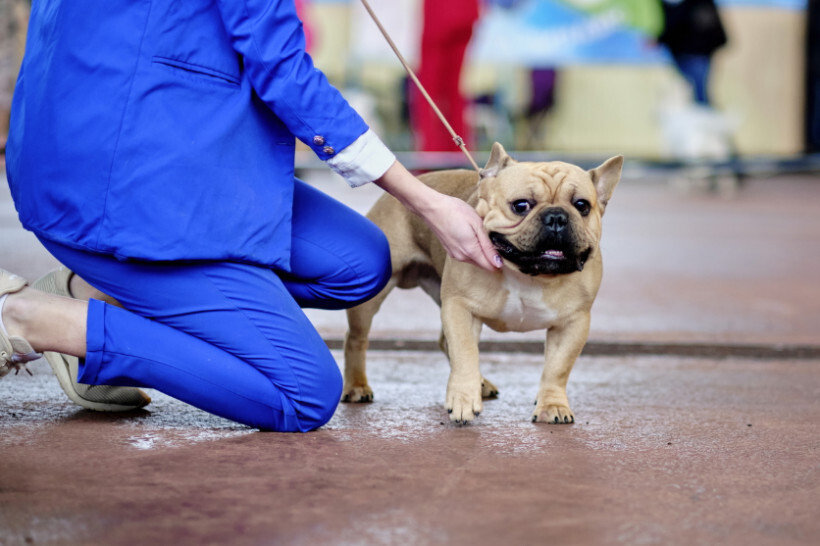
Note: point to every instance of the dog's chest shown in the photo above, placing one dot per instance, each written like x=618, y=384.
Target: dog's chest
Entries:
x=525, y=309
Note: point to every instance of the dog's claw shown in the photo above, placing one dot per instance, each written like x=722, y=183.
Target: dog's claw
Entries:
x=557, y=414
x=359, y=394
x=488, y=390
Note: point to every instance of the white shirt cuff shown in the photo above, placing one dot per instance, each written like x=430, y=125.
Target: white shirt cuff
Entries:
x=365, y=160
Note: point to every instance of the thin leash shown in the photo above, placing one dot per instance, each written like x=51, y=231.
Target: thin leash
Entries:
x=457, y=139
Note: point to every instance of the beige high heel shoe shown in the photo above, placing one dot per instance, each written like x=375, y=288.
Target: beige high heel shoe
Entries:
x=65, y=367
x=15, y=351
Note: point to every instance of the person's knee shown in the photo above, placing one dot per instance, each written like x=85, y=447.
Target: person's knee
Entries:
x=377, y=269
x=319, y=402
x=357, y=280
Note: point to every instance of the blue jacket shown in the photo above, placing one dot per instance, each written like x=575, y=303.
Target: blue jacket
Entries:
x=164, y=129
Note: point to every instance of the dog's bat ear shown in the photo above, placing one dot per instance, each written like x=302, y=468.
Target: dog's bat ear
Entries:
x=606, y=177
x=499, y=158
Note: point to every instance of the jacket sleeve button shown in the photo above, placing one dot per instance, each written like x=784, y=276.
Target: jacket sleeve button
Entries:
x=329, y=150
x=318, y=140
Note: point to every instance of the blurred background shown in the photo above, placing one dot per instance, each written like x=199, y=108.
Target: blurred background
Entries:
x=588, y=77
x=571, y=77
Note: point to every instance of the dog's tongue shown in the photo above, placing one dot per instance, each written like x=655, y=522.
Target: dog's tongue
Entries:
x=553, y=254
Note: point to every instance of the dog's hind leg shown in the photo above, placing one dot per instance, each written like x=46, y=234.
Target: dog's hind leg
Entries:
x=359, y=321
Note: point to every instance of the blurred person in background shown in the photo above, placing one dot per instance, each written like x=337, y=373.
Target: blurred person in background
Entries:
x=446, y=31
x=692, y=33
x=447, y=28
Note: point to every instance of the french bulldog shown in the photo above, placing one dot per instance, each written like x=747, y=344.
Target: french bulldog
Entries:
x=544, y=218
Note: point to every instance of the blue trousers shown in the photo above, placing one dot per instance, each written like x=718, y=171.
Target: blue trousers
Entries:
x=231, y=338
x=695, y=70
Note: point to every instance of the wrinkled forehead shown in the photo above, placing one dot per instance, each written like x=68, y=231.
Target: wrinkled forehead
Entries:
x=545, y=181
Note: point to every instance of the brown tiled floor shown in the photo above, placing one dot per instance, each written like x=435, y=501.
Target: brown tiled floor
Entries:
x=666, y=450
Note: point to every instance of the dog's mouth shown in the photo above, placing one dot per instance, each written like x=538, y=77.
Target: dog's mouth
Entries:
x=553, y=254
x=560, y=260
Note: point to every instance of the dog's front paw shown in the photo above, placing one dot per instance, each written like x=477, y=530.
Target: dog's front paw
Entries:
x=553, y=414
x=463, y=405
x=357, y=393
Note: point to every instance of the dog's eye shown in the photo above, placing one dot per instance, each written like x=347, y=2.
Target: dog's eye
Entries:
x=583, y=206
x=521, y=206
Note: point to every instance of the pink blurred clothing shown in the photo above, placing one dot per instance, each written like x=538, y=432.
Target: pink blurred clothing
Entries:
x=446, y=32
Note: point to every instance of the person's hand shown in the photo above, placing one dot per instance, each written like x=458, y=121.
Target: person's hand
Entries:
x=462, y=234
x=454, y=222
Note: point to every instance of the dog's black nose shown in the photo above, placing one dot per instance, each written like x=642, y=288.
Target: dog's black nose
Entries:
x=555, y=220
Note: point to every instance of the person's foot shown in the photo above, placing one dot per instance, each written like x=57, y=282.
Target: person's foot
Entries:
x=15, y=351
x=93, y=397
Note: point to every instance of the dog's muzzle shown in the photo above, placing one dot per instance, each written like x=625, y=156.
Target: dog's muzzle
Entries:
x=554, y=252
